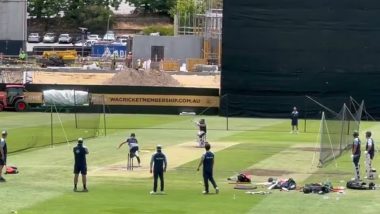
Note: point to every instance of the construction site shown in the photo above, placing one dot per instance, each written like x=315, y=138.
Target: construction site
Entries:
x=190, y=58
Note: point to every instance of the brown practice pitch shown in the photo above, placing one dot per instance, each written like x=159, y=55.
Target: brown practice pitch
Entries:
x=176, y=155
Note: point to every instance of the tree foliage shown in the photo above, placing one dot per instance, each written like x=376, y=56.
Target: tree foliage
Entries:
x=95, y=18
x=218, y=4
x=153, y=6
x=88, y=13
x=195, y=6
x=188, y=7
x=46, y=9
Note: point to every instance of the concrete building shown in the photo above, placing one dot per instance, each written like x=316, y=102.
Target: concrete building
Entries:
x=12, y=26
x=157, y=48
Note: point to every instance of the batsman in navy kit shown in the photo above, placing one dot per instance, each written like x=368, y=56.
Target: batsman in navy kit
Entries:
x=3, y=153
x=369, y=155
x=207, y=161
x=356, y=154
x=158, y=165
x=202, y=132
x=133, y=147
x=80, y=165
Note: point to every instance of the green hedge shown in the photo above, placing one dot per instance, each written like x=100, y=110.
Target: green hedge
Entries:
x=164, y=30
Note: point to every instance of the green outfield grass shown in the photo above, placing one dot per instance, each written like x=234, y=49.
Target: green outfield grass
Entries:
x=44, y=184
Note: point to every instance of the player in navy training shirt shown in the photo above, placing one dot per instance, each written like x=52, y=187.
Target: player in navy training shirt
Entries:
x=80, y=165
x=158, y=165
x=207, y=161
x=294, y=117
x=3, y=153
x=369, y=155
x=356, y=154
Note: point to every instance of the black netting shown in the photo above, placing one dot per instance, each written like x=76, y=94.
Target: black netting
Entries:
x=336, y=132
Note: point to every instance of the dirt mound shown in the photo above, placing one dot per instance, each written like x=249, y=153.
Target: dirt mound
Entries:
x=143, y=78
x=11, y=76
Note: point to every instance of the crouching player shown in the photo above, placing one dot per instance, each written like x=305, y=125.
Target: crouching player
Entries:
x=369, y=154
x=80, y=165
x=133, y=147
x=201, y=136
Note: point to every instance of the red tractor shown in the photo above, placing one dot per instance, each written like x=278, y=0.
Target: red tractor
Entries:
x=13, y=98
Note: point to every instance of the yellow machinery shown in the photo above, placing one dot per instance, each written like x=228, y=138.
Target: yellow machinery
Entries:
x=68, y=55
x=58, y=58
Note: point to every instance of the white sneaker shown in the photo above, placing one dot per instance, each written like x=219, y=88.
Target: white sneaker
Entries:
x=217, y=190
x=204, y=192
x=162, y=193
x=152, y=192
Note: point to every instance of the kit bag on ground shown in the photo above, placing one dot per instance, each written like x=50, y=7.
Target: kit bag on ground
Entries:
x=317, y=188
x=243, y=178
x=359, y=185
x=11, y=170
x=290, y=184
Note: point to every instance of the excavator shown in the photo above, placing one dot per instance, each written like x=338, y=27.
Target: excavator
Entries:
x=58, y=58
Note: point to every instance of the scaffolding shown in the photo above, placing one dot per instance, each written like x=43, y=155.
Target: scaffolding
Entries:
x=207, y=25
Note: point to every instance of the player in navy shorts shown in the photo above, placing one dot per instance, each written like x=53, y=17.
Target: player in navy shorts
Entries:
x=294, y=117
x=80, y=165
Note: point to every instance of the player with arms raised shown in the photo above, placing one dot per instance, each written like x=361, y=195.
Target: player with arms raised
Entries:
x=201, y=136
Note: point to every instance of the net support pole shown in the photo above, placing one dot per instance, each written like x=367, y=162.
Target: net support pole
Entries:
x=342, y=128
x=51, y=126
x=75, y=111
x=331, y=146
x=104, y=117
x=227, y=112
x=319, y=137
x=348, y=125
x=60, y=121
x=305, y=117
